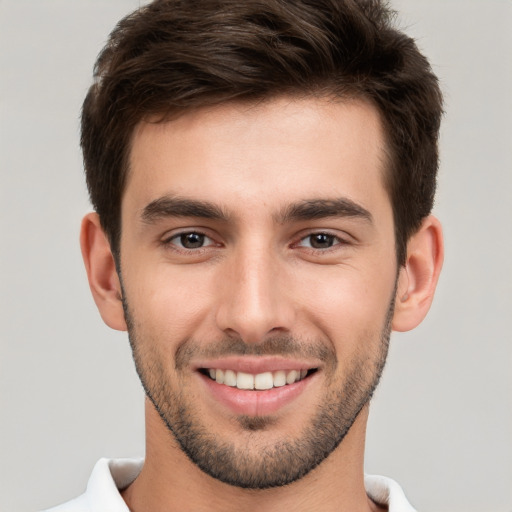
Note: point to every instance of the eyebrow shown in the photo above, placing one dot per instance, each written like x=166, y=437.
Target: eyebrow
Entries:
x=312, y=209
x=165, y=207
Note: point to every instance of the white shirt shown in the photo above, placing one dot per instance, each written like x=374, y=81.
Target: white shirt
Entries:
x=111, y=475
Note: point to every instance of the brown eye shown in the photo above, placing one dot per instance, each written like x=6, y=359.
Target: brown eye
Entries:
x=190, y=240
x=321, y=240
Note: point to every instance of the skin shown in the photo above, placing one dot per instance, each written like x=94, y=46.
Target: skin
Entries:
x=256, y=278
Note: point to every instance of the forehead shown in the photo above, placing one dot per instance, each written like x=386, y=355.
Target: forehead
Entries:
x=276, y=151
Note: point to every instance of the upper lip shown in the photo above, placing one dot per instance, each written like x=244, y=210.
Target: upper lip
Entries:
x=256, y=365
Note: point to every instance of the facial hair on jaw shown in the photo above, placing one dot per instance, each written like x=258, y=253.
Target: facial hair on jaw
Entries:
x=287, y=460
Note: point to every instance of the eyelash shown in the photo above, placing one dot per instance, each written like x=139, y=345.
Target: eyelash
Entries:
x=169, y=241
x=335, y=239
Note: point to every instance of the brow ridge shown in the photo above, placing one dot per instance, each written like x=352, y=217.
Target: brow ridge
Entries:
x=309, y=209
x=312, y=209
x=174, y=206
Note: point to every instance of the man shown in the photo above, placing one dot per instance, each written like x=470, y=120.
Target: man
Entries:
x=262, y=174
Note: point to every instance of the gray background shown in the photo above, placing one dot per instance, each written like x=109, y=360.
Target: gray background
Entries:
x=441, y=422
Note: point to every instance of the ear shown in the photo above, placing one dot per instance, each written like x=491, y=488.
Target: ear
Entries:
x=101, y=272
x=418, y=278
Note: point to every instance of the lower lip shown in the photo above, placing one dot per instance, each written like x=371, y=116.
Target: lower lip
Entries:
x=253, y=402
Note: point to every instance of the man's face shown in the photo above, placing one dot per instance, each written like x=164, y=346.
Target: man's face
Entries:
x=258, y=252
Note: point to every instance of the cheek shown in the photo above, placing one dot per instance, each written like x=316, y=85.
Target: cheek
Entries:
x=170, y=302
x=346, y=304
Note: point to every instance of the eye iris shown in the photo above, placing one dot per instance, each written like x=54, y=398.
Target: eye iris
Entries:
x=322, y=241
x=192, y=240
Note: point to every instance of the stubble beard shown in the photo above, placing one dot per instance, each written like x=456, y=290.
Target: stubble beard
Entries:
x=284, y=461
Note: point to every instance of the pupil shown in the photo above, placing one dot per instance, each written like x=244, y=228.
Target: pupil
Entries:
x=192, y=240
x=322, y=241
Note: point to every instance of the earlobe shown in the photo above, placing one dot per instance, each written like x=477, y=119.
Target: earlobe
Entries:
x=101, y=272
x=418, y=278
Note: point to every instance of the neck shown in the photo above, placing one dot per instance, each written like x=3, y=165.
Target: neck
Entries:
x=169, y=481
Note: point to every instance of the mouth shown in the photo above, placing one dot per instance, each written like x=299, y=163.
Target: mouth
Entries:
x=259, y=381
x=257, y=387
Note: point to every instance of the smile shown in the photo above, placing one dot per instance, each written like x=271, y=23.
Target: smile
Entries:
x=259, y=381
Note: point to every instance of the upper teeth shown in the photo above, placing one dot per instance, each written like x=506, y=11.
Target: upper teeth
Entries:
x=259, y=381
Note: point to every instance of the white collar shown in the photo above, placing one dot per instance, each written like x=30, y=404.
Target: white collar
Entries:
x=109, y=476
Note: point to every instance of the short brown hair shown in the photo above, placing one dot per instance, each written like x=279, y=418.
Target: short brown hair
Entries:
x=174, y=55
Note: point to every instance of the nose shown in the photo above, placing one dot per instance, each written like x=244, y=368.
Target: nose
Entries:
x=254, y=301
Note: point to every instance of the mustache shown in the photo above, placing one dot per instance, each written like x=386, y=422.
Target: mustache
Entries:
x=272, y=346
